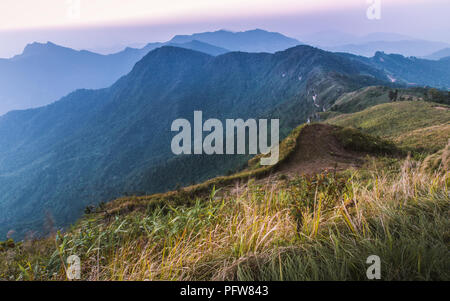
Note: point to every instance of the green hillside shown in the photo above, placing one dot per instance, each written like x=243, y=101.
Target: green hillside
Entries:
x=412, y=124
x=282, y=227
x=410, y=71
x=370, y=96
x=361, y=99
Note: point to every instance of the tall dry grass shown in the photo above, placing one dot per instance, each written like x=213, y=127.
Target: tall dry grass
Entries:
x=305, y=228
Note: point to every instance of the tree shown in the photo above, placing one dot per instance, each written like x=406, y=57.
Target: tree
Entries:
x=393, y=95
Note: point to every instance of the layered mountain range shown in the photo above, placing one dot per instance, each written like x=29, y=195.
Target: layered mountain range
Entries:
x=114, y=138
x=43, y=73
x=369, y=44
x=93, y=145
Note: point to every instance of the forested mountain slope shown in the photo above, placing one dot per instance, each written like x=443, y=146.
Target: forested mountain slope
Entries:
x=93, y=145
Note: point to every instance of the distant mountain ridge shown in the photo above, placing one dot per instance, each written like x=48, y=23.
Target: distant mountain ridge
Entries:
x=411, y=71
x=256, y=40
x=44, y=73
x=441, y=54
x=369, y=44
x=417, y=48
x=333, y=38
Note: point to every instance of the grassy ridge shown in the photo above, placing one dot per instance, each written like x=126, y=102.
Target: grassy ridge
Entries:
x=320, y=227
x=370, y=96
x=185, y=195
x=414, y=125
x=350, y=138
x=374, y=95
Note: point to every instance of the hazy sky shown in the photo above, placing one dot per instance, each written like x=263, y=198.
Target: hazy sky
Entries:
x=110, y=24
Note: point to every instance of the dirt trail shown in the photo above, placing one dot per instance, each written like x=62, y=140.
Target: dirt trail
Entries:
x=317, y=150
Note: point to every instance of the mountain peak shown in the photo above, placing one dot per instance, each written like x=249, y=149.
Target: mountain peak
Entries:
x=40, y=48
x=38, y=45
x=166, y=57
x=255, y=40
x=224, y=30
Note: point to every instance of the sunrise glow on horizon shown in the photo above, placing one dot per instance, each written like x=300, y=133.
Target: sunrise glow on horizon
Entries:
x=31, y=14
x=106, y=26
